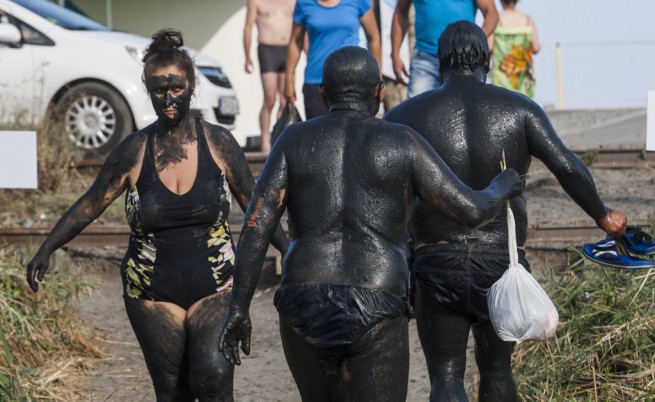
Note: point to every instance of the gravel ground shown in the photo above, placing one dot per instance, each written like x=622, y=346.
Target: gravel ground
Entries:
x=566, y=121
x=632, y=191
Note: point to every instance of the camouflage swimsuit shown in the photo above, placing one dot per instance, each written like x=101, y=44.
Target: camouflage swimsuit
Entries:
x=180, y=248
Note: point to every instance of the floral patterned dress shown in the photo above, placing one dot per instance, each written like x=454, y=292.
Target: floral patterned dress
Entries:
x=512, y=66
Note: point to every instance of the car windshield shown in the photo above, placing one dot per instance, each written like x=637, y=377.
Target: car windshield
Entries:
x=61, y=16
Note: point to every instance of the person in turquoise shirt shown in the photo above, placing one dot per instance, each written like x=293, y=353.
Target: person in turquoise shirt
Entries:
x=432, y=17
x=471, y=125
x=330, y=25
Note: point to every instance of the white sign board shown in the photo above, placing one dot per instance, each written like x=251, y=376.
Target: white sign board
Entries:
x=18, y=162
x=650, y=122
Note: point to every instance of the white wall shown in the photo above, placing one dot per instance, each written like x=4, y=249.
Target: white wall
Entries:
x=197, y=19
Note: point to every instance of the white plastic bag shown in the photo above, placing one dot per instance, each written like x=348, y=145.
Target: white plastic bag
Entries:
x=519, y=308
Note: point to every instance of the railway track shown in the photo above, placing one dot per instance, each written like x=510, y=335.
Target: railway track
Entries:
x=624, y=158
x=553, y=236
x=93, y=236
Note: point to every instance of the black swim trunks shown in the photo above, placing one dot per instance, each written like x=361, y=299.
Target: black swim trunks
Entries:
x=334, y=316
x=180, y=249
x=272, y=59
x=458, y=275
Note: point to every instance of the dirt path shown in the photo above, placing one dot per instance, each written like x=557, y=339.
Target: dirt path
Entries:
x=262, y=376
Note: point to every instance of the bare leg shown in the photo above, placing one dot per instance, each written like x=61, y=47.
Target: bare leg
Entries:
x=281, y=77
x=159, y=328
x=210, y=375
x=375, y=368
x=444, y=336
x=307, y=369
x=494, y=359
x=270, y=85
x=378, y=367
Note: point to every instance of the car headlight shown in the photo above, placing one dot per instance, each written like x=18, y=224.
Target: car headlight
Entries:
x=137, y=53
x=216, y=76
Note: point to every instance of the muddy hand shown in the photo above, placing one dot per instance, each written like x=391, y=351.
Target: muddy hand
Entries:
x=36, y=270
x=237, y=329
x=613, y=223
x=511, y=179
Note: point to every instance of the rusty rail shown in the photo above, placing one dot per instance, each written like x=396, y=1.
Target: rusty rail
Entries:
x=559, y=236
x=540, y=236
x=623, y=158
x=546, y=236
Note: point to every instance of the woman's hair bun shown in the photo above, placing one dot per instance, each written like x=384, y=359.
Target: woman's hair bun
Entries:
x=166, y=50
x=166, y=40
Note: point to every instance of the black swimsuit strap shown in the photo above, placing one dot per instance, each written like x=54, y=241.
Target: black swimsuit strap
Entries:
x=203, y=148
x=147, y=163
x=206, y=164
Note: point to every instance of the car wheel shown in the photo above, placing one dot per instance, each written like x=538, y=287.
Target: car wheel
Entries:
x=95, y=117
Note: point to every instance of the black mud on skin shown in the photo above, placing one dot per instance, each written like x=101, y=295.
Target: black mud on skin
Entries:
x=170, y=141
x=160, y=88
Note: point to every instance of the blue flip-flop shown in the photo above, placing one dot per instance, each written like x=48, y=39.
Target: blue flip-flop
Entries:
x=612, y=252
x=638, y=241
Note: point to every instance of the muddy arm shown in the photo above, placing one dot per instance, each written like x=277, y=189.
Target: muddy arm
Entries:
x=108, y=185
x=444, y=192
x=262, y=218
x=571, y=172
x=239, y=176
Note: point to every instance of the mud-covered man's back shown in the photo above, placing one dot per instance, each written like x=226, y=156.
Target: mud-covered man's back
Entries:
x=471, y=124
x=348, y=182
x=340, y=170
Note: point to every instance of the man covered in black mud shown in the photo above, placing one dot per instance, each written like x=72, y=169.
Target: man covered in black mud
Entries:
x=470, y=124
x=349, y=182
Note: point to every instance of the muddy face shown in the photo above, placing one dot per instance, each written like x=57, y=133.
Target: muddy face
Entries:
x=170, y=95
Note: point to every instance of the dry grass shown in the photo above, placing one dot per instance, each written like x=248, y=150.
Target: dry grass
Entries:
x=57, y=156
x=60, y=184
x=604, y=349
x=45, y=346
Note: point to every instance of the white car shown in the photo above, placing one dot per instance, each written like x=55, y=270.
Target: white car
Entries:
x=55, y=60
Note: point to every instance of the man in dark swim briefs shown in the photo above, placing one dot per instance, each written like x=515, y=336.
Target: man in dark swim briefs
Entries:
x=273, y=19
x=349, y=181
x=470, y=123
x=272, y=59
